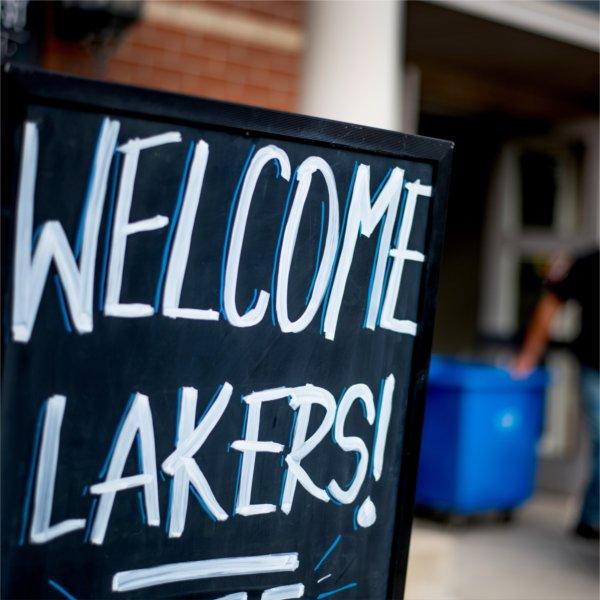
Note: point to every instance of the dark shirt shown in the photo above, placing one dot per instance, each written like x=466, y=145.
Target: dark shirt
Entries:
x=580, y=283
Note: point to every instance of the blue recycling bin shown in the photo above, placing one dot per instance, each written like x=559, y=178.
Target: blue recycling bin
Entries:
x=478, y=451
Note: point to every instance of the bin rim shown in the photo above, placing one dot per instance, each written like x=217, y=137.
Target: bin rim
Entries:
x=451, y=372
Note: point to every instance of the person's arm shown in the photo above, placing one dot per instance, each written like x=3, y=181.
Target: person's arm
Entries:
x=537, y=336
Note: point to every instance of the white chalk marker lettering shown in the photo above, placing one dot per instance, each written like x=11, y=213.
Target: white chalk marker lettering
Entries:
x=41, y=530
x=358, y=391
x=126, y=581
x=362, y=220
x=138, y=423
x=400, y=255
x=122, y=227
x=255, y=314
x=30, y=273
x=180, y=464
x=383, y=423
x=302, y=400
x=284, y=592
x=249, y=446
x=181, y=244
x=304, y=176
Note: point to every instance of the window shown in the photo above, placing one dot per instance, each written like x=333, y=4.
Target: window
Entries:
x=538, y=183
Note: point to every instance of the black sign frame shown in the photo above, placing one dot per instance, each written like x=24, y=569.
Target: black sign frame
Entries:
x=23, y=85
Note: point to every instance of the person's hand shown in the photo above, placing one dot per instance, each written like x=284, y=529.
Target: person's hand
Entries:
x=524, y=364
x=537, y=337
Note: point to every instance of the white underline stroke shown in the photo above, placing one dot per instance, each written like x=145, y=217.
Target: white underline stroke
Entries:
x=137, y=579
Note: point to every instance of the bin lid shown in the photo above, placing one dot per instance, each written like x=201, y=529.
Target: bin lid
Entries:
x=453, y=372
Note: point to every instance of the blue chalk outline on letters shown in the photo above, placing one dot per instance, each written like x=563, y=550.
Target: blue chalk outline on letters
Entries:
x=172, y=225
x=381, y=228
x=318, y=259
x=376, y=425
x=394, y=244
x=232, y=207
x=339, y=248
x=29, y=485
x=293, y=182
x=108, y=228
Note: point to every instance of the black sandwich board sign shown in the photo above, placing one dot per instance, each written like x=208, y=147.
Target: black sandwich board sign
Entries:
x=217, y=328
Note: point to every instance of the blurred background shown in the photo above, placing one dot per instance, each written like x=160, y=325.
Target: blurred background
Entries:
x=515, y=85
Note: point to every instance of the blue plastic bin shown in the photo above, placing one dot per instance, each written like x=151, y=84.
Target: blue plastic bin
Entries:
x=478, y=451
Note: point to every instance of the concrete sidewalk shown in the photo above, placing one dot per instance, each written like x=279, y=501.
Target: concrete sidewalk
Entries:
x=533, y=558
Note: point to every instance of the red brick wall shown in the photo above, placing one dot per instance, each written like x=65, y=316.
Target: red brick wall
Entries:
x=278, y=10
x=174, y=58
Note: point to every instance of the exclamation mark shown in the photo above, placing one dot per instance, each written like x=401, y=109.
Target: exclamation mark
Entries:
x=366, y=514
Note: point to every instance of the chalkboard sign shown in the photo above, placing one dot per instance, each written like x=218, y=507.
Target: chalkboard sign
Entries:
x=217, y=327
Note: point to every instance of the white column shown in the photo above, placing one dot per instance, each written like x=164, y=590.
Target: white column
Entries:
x=353, y=61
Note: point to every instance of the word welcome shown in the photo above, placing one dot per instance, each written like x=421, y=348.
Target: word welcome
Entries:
x=136, y=429
x=76, y=267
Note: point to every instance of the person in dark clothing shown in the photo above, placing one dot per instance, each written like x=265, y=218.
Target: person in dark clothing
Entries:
x=580, y=283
